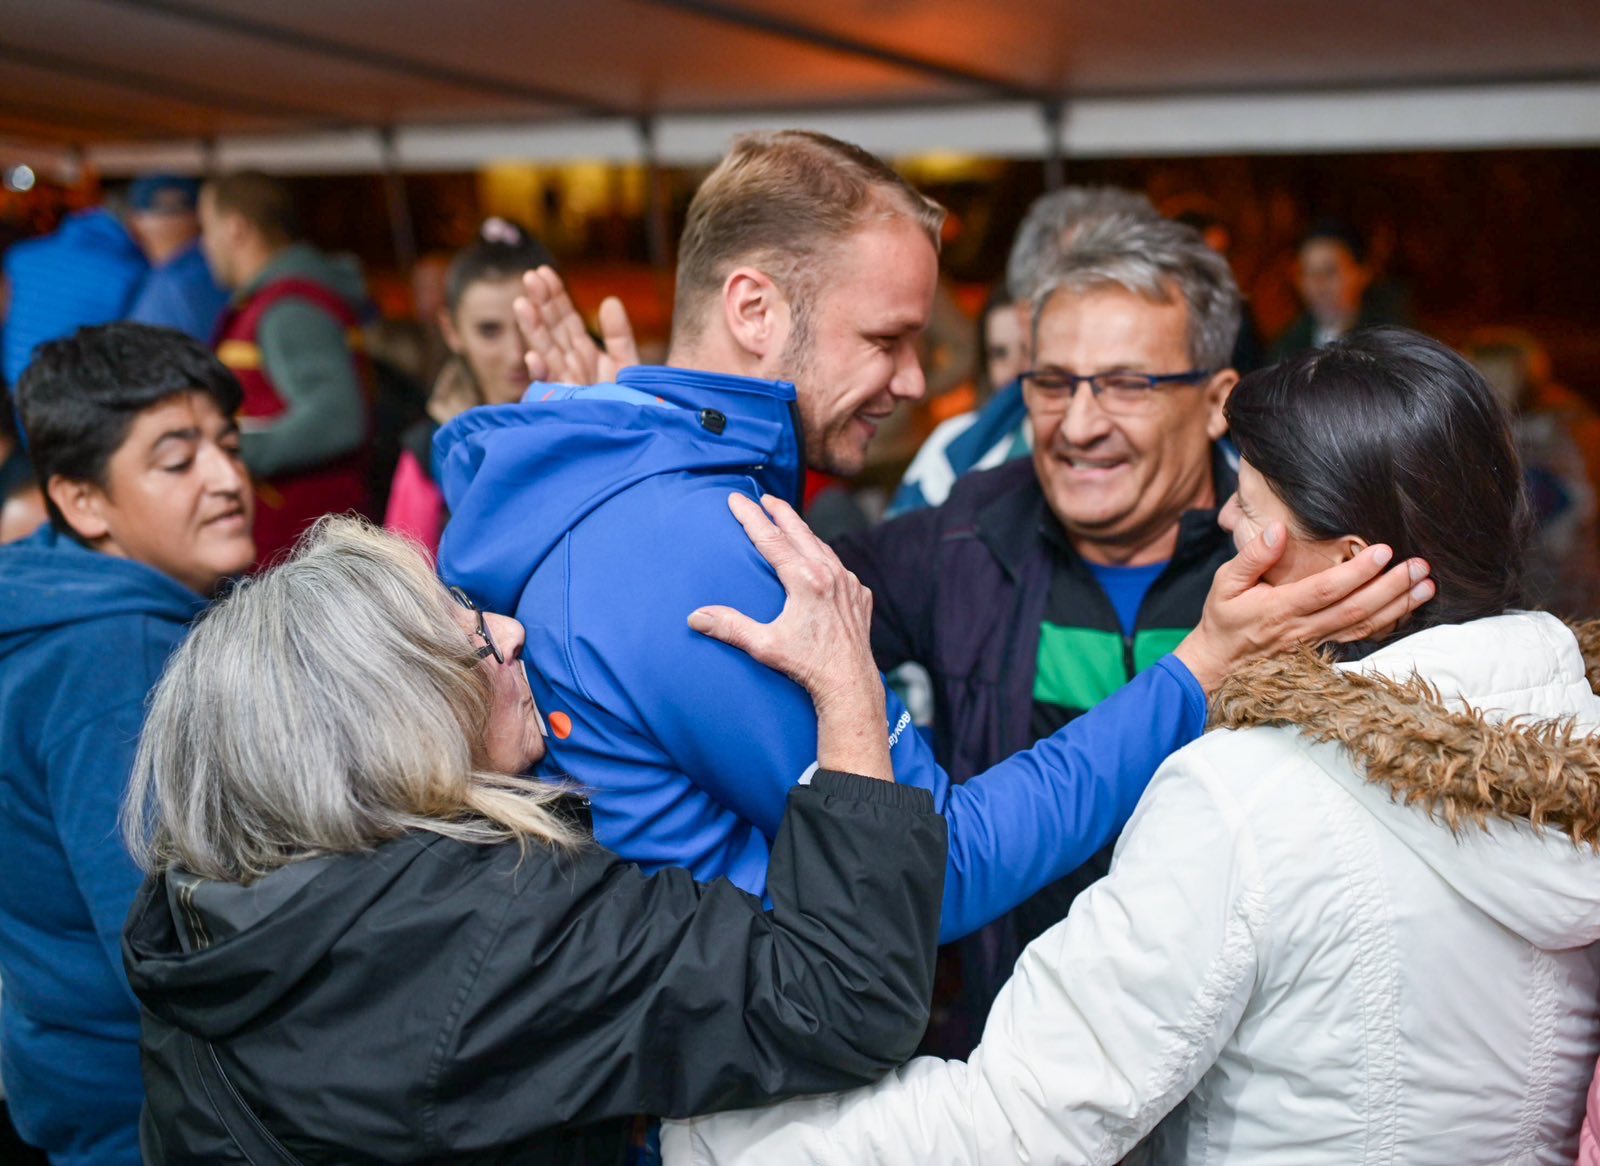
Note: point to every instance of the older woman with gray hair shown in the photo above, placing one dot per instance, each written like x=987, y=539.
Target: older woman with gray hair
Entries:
x=366, y=938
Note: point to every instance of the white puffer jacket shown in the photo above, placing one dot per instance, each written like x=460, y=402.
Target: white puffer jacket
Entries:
x=1287, y=963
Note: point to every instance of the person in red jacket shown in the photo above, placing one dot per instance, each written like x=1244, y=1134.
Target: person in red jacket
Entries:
x=291, y=336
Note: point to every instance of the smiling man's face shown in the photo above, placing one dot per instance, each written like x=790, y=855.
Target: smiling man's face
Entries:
x=1119, y=484
x=857, y=358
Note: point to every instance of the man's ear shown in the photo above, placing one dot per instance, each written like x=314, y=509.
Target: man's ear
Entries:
x=1216, y=392
x=82, y=504
x=756, y=312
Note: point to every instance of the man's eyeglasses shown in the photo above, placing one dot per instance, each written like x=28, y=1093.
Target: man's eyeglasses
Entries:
x=490, y=648
x=1117, y=392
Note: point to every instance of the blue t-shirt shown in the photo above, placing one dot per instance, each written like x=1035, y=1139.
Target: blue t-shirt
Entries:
x=1126, y=587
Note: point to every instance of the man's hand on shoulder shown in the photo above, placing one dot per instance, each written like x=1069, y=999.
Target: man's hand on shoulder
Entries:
x=1245, y=618
x=560, y=348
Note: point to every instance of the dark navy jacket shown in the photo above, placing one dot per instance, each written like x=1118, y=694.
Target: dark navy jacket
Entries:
x=83, y=638
x=600, y=518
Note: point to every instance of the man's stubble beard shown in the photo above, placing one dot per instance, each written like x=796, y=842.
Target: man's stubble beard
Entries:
x=795, y=366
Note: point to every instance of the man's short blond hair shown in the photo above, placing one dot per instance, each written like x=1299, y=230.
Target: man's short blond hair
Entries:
x=777, y=202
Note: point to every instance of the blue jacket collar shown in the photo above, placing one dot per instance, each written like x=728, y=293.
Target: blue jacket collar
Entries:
x=766, y=408
x=518, y=478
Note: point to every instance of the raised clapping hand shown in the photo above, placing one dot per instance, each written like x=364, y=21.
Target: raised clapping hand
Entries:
x=1245, y=619
x=822, y=639
x=560, y=348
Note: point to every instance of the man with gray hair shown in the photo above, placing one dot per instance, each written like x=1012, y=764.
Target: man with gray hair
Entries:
x=999, y=431
x=1092, y=558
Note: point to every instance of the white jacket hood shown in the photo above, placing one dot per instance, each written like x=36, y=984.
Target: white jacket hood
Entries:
x=1486, y=726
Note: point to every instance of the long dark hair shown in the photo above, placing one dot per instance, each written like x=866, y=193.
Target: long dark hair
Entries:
x=1391, y=436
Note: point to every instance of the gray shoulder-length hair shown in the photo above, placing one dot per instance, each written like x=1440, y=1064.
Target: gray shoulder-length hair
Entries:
x=325, y=706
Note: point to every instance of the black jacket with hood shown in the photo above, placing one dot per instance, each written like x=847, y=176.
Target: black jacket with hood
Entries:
x=436, y=1001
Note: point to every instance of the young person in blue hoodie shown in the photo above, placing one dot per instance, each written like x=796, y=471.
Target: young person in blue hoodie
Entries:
x=599, y=516
x=132, y=434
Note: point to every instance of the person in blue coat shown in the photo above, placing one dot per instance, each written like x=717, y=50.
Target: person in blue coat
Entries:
x=85, y=272
x=132, y=434
x=179, y=291
x=599, y=515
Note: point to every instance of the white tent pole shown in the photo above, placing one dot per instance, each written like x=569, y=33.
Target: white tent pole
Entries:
x=401, y=229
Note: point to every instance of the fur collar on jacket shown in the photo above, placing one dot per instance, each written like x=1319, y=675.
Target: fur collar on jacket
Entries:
x=1458, y=765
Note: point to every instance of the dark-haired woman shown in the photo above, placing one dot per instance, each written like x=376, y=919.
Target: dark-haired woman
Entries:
x=486, y=365
x=1354, y=924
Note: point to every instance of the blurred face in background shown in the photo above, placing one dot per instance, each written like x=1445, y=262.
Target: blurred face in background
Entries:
x=1005, y=345
x=164, y=234
x=220, y=233
x=1330, y=282
x=483, y=332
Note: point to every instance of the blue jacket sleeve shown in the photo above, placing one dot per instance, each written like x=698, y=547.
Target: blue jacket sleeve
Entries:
x=744, y=735
x=1038, y=815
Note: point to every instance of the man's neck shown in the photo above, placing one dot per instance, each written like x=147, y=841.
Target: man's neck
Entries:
x=1145, y=552
x=255, y=260
x=714, y=353
x=1336, y=325
x=161, y=252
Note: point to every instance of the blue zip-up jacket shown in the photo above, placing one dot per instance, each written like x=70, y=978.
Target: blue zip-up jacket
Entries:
x=83, y=638
x=600, y=518
x=86, y=272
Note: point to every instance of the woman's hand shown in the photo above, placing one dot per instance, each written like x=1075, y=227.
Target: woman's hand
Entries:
x=1245, y=619
x=821, y=639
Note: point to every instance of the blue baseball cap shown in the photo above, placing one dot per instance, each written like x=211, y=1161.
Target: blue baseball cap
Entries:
x=164, y=194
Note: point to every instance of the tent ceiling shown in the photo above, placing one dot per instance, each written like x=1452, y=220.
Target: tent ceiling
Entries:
x=84, y=72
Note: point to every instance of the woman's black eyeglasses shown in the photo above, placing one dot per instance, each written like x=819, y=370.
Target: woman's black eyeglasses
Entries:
x=490, y=648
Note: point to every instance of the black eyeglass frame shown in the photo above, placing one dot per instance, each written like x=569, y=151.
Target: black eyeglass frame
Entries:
x=490, y=648
x=1097, y=381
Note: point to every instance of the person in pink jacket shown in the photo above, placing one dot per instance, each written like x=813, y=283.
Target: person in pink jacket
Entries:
x=1589, y=1140
x=486, y=366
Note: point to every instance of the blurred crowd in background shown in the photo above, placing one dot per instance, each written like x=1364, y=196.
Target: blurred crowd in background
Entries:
x=1474, y=248
x=351, y=323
